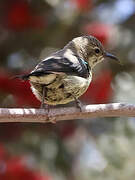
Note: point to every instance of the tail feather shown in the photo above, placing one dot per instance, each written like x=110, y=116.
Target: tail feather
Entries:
x=23, y=77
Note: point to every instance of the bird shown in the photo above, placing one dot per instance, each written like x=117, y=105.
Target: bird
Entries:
x=66, y=74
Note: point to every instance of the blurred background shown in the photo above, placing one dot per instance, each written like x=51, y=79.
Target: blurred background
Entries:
x=100, y=149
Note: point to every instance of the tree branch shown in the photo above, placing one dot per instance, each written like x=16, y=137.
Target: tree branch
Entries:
x=68, y=113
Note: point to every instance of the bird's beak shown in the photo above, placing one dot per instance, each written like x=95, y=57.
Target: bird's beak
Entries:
x=111, y=56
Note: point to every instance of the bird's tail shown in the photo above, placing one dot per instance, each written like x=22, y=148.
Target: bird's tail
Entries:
x=22, y=77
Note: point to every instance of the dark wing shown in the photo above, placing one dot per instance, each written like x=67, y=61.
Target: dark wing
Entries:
x=60, y=65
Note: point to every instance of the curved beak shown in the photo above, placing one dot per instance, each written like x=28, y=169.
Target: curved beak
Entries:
x=111, y=56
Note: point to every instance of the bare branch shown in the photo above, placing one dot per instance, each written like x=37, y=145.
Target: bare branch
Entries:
x=68, y=113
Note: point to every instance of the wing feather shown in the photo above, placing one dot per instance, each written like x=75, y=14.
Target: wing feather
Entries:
x=61, y=65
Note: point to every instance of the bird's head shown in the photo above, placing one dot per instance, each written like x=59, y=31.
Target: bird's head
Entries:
x=91, y=50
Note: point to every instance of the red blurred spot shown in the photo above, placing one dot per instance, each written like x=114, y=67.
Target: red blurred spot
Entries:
x=100, y=90
x=17, y=169
x=20, y=17
x=83, y=5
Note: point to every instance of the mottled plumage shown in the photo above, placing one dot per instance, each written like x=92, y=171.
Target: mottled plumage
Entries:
x=65, y=75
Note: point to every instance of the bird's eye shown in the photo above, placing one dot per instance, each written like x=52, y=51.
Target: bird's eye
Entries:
x=97, y=51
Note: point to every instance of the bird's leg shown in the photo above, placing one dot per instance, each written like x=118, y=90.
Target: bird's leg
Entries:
x=43, y=97
x=43, y=105
x=78, y=103
x=46, y=106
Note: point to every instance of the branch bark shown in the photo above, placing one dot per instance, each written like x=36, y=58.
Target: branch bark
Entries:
x=68, y=113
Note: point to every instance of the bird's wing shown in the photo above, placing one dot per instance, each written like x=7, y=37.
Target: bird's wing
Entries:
x=58, y=65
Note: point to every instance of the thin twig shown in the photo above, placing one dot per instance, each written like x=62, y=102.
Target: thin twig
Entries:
x=68, y=113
